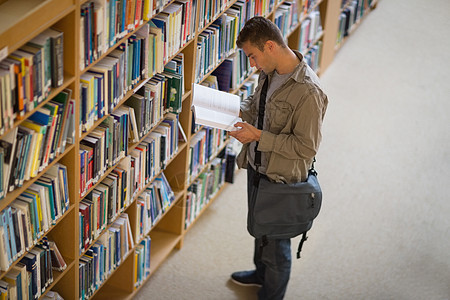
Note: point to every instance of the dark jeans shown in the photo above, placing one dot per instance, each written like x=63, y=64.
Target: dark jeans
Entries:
x=272, y=258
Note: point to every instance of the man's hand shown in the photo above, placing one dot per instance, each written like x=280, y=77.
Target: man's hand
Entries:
x=246, y=134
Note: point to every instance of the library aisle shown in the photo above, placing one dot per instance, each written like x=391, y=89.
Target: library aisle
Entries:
x=384, y=167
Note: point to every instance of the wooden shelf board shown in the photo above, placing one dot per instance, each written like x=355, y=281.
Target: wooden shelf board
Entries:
x=31, y=17
x=219, y=191
x=161, y=246
x=3, y=273
x=11, y=196
x=68, y=80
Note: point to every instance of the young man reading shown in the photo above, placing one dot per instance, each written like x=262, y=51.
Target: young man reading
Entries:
x=284, y=146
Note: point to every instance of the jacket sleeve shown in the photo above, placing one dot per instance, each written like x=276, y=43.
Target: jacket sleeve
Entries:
x=303, y=142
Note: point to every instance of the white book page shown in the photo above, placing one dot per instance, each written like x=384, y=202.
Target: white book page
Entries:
x=215, y=108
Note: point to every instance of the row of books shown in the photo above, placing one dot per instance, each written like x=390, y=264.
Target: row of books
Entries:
x=103, y=148
x=105, y=22
x=104, y=256
x=145, y=110
x=104, y=85
x=29, y=278
x=131, y=175
x=261, y=7
x=310, y=31
x=159, y=95
x=203, y=147
x=142, y=261
x=286, y=17
x=204, y=187
x=154, y=201
x=28, y=74
x=308, y=6
x=177, y=24
x=32, y=214
x=104, y=203
x=216, y=43
x=29, y=148
x=363, y=4
x=248, y=88
x=209, y=10
x=247, y=9
x=313, y=56
x=352, y=12
x=232, y=72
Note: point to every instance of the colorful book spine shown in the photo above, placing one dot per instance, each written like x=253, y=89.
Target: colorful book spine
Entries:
x=106, y=255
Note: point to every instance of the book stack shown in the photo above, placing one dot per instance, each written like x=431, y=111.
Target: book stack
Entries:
x=308, y=6
x=203, y=146
x=215, y=43
x=31, y=277
x=248, y=88
x=209, y=10
x=233, y=71
x=28, y=74
x=103, y=148
x=352, y=12
x=29, y=148
x=105, y=256
x=105, y=84
x=104, y=22
x=234, y=66
x=203, y=189
x=32, y=214
x=263, y=8
x=142, y=261
x=176, y=22
x=104, y=203
x=313, y=56
x=147, y=107
x=310, y=31
x=152, y=203
x=243, y=10
x=173, y=76
x=286, y=17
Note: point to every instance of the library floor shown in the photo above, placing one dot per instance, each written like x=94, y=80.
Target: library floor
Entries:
x=384, y=166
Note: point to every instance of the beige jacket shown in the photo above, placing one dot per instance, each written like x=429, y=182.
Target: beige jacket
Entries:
x=294, y=115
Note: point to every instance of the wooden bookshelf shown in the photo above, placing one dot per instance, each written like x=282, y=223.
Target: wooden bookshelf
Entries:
x=22, y=20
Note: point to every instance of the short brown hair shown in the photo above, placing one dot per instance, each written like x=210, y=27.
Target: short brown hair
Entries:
x=258, y=30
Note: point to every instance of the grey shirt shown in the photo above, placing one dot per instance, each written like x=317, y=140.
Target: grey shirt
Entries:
x=275, y=82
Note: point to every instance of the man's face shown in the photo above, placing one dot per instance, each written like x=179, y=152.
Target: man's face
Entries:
x=259, y=59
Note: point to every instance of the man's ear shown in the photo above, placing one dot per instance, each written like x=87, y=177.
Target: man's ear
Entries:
x=270, y=45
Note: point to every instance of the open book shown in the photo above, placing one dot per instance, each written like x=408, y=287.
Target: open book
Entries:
x=215, y=108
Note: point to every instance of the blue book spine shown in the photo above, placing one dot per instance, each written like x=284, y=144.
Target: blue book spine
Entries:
x=124, y=12
x=96, y=97
x=39, y=118
x=112, y=23
x=4, y=223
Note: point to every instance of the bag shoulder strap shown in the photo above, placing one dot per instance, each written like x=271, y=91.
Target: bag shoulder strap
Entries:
x=300, y=245
x=261, y=109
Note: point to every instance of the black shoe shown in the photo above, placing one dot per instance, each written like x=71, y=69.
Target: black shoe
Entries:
x=246, y=278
